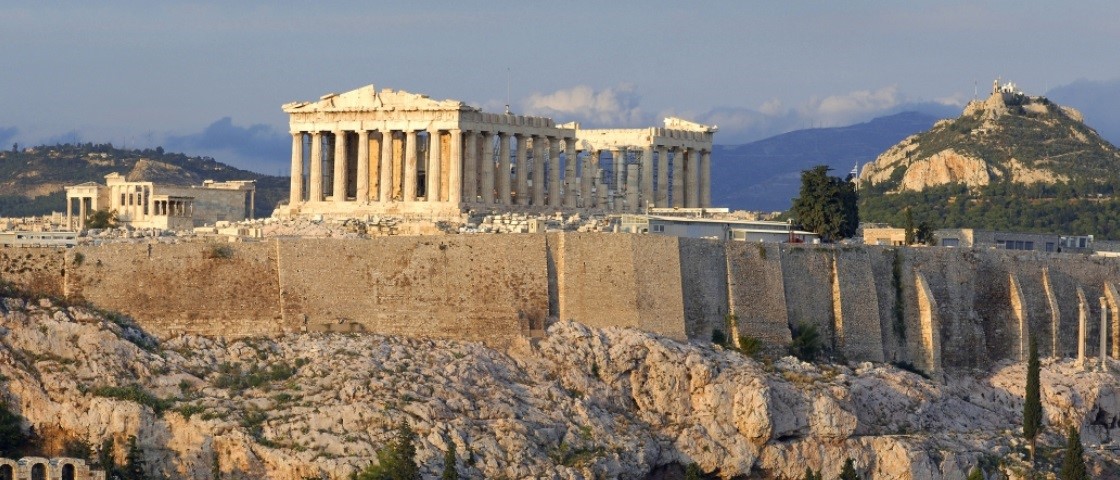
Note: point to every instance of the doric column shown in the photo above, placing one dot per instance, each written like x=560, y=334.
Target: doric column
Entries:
x=618, y=159
x=692, y=179
x=587, y=177
x=385, y=185
x=487, y=183
x=295, y=195
x=315, y=190
x=570, y=159
x=69, y=212
x=470, y=167
x=411, y=176
x=631, y=189
x=522, y=169
x=554, y=195
x=705, y=179
x=661, y=199
x=503, y=169
x=646, y=172
x=81, y=213
x=363, y=166
x=538, y=171
x=434, y=167
x=340, y=172
x=455, y=167
x=678, y=177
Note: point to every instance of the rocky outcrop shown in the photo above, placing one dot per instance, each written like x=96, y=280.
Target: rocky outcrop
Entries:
x=580, y=403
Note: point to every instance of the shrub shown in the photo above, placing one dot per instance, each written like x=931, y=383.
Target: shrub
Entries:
x=718, y=337
x=133, y=393
x=397, y=461
x=218, y=252
x=806, y=343
x=750, y=346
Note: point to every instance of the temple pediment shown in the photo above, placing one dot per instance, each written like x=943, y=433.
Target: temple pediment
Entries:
x=367, y=98
x=675, y=123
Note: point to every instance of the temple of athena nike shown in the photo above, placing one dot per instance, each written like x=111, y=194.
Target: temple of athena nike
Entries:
x=390, y=152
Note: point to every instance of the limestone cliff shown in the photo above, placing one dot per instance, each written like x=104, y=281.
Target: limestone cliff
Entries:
x=580, y=403
x=1009, y=137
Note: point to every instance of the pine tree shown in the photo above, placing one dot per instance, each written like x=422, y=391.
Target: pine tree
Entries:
x=396, y=461
x=1073, y=466
x=811, y=475
x=827, y=205
x=449, y=471
x=134, y=460
x=1032, y=404
x=849, y=471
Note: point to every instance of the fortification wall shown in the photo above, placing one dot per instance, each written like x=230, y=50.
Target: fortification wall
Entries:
x=704, y=286
x=807, y=272
x=458, y=287
x=859, y=334
x=758, y=291
x=869, y=303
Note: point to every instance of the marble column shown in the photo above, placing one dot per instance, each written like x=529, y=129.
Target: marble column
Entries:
x=661, y=198
x=411, y=176
x=470, y=167
x=433, y=191
x=692, y=186
x=586, y=177
x=646, y=173
x=315, y=190
x=571, y=161
x=538, y=188
x=363, y=166
x=632, y=191
x=503, y=169
x=487, y=183
x=69, y=212
x=340, y=166
x=295, y=195
x=455, y=168
x=1082, y=327
x=555, y=198
x=678, y=177
x=386, y=184
x=522, y=185
x=618, y=162
x=705, y=179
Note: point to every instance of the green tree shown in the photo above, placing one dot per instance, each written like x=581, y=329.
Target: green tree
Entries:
x=908, y=227
x=397, y=461
x=1032, y=404
x=101, y=219
x=924, y=234
x=811, y=475
x=806, y=342
x=692, y=472
x=1073, y=465
x=827, y=205
x=134, y=461
x=449, y=471
x=849, y=471
x=12, y=437
x=976, y=474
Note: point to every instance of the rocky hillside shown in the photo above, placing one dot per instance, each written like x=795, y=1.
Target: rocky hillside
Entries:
x=1012, y=161
x=32, y=180
x=581, y=403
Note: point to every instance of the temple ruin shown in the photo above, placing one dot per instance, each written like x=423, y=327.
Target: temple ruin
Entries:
x=370, y=152
x=151, y=205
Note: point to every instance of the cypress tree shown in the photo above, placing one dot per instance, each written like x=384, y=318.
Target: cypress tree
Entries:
x=449, y=471
x=1073, y=466
x=1032, y=404
x=849, y=471
x=811, y=475
x=134, y=460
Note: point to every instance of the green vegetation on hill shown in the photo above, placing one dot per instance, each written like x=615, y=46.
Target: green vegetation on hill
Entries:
x=1049, y=173
x=32, y=180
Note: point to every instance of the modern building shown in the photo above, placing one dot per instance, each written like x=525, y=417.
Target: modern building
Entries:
x=370, y=152
x=170, y=207
x=718, y=228
x=1042, y=242
x=884, y=236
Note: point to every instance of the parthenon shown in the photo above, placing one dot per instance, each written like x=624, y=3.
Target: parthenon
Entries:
x=393, y=152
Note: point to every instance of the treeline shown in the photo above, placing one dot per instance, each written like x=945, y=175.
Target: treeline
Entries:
x=1058, y=209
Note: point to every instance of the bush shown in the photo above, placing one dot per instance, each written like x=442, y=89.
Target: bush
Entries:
x=718, y=337
x=749, y=346
x=101, y=219
x=218, y=252
x=397, y=461
x=133, y=393
x=806, y=343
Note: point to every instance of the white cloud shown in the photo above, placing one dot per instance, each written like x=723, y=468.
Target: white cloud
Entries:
x=612, y=106
x=844, y=109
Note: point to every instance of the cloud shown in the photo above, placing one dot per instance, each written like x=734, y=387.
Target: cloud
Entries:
x=836, y=110
x=613, y=106
x=257, y=147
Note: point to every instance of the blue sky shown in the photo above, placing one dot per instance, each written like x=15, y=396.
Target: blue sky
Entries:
x=209, y=77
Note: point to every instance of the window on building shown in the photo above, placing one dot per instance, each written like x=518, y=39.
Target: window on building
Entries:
x=950, y=242
x=1028, y=245
x=657, y=228
x=1049, y=246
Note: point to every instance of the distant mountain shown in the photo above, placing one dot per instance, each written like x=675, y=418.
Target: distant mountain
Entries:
x=33, y=180
x=766, y=174
x=1098, y=101
x=1010, y=162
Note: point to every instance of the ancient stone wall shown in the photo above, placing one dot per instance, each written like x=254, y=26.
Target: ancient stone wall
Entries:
x=933, y=308
x=704, y=283
x=758, y=292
